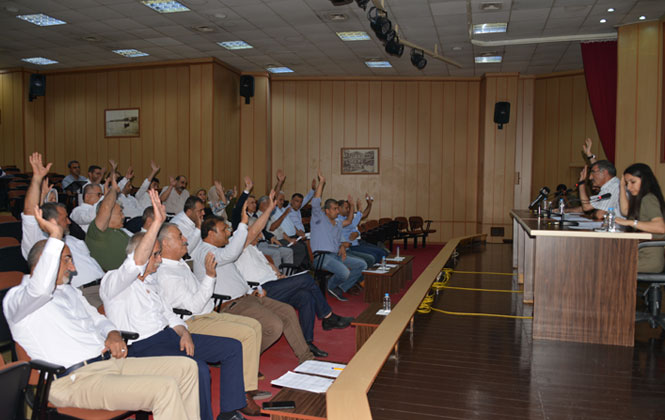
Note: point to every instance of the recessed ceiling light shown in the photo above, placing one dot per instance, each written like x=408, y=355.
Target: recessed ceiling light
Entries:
x=643, y=17
x=603, y=20
x=165, y=6
x=490, y=28
x=41, y=19
x=39, y=60
x=335, y=17
x=204, y=29
x=130, y=53
x=275, y=69
x=491, y=7
x=353, y=36
x=378, y=64
x=457, y=48
x=235, y=45
x=219, y=15
x=611, y=9
x=92, y=38
x=488, y=59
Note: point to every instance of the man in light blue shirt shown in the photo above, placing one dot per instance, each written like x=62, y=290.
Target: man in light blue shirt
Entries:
x=297, y=203
x=351, y=235
x=327, y=238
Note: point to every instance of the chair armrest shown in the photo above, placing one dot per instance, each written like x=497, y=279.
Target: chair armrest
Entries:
x=218, y=299
x=216, y=296
x=319, y=263
x=181, y=312
x=253, y=283
x=287, y=265
x=129, y=335
x=650, y=244
x=46, y=366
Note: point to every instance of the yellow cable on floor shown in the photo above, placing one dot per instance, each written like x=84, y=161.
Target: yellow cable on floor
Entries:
x=450, y=270
x=482, y=290
x=481, y=314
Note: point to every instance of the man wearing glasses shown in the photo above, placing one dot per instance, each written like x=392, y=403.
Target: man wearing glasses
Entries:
x=602, y=175
x=85, y=213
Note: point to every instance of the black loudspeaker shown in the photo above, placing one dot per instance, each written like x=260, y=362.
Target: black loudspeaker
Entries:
x=247, y=87
x=501, y=113
x=37, y=86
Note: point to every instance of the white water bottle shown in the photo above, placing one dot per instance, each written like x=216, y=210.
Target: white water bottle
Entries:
x=383, y=263
x=562, y=206
x=386, y=302
x=397, y=252
x=611, y=220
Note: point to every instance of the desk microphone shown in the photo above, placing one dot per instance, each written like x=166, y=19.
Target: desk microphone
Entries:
x=542, y=195
x=601, y=197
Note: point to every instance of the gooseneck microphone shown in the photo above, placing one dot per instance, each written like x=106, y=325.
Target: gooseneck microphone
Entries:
x=542, y=194
x=601, y=197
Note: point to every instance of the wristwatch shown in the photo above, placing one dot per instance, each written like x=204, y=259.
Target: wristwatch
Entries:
x=591, y=156
x=635, y=223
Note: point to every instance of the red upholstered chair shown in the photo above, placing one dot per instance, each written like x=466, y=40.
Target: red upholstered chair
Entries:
x=13, y=382
x=420, y=227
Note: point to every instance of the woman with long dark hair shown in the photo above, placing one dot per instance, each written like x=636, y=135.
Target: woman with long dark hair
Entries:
x=643, y=207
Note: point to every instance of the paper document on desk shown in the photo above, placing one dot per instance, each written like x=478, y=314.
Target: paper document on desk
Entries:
x=303, y=382
x=395, y=259
x=573, y=217
x=587, y=225
x=377, y=271
x=317, y=367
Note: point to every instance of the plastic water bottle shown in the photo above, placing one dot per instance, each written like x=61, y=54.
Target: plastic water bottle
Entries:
x=386, y=302
x=611, y=220
x=397, y=252
x=562, y=206
x=383, y=262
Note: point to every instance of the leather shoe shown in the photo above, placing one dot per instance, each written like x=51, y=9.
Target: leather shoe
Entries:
x=261, y=376
x=338, y=293
x=317, y=352
x=252, y=408
x=334, y=321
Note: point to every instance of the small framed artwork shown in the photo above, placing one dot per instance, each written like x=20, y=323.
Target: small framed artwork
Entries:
x=122, y=122
x=360, y=161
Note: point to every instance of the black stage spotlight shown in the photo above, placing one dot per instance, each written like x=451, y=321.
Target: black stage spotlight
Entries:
x=379, y=22
x=418, y=59
x=393, y=47
x=362, y=4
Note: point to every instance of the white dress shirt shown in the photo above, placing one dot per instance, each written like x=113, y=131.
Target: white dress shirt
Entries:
x=613, y=187
x=254, y=266
x=87, y=268
x=230, y=282
x=180, y=289
x=84, y=214
x=131, y=206
x=135, y=305
x=176, y=201
x=54, y=323
x=188, y=230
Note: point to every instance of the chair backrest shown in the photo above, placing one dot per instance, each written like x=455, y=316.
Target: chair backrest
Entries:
x=416, y=222
x=384, y=220
x=11, y=259
x=371, y=224
x=13, y=382
x=4, y=218
x=403, y=224
x=13, y=229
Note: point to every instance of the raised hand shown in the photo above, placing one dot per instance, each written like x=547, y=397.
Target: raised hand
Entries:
x=53, y=229
x=211, y=265
x=368, y=198
x=586, y=147
x=154, y=166
x=172, y=181
x=271, y=200
x=38, y=168
x=46, y=187
x=114, y=166
x=219, y=188
x=249, y=184
x=130, y=173
x=322, y=179
x=314, y=183
x=160, y=210
x=280, y=176
x=107, y=182
x=358, y=203
x=244, y=218
x=583, y=174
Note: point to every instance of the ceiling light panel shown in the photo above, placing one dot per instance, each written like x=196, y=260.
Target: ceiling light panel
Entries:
x=130, y=53
x=353, y=36
x=235, y=45
x=378, y=64
x=488, y=59
x=41, y=19
x=39, y=60
x=277, y=70
x=490, y=28
x=165, y=6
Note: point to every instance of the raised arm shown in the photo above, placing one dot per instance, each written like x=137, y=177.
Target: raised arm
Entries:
x=280, y=181
x=166, y=192
x=277, y=223
x=368, y=209
x=145, y=247
x=220, y=192
x=257, y=227
x=319, y=188
x=586, y=149
x=39, y=172
x=106, y=206
x=623, y=198
x=239, y=210
x=352, y=212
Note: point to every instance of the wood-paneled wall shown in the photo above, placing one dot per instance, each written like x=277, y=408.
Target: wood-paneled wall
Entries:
x=12, y=118
x=255, y=147
x=639, y=89
x=427, y=132
x=562, y=121
x=189, y=119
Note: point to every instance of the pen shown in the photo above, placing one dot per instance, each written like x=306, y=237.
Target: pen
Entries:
x=335, y=368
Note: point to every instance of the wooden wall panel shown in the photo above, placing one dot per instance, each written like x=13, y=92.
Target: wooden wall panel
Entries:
x=639, y=113
x=426, y=131
x=12, y=97
x=226, y=164
x=562, y=121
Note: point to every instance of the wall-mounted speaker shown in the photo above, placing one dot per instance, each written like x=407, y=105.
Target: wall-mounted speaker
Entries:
x=501, y=113
x=37, y=86
x=247, y=87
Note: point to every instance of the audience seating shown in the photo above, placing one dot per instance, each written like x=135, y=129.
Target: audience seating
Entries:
x=653, y=293
x=5, y=218
x=11, y=259
x=12, y=229
x=405, y=233
x=417, y=226
x=16, y=199
x=7, y=281
x=13, y=381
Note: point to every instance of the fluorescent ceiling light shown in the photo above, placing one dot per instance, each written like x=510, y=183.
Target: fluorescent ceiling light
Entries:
x=165, y=6
x=41, y=19
x=131, y=53
x=378, y=64
x=39, y=60
x=488, y=59
x=353, y=36
x=490, y=28
x=643, y=17
x=603, y=20
x=272, y=69
x=611, y=9
x=235, y=45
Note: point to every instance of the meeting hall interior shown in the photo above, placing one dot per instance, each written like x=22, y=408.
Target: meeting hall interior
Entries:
x=402, y=209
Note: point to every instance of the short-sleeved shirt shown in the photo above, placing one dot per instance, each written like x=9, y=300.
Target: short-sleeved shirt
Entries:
x=325, y=236
x=612, y=187
x=650, y=260
x=107, y=247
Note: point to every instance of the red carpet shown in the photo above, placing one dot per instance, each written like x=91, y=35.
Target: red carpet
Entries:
x=340, y=344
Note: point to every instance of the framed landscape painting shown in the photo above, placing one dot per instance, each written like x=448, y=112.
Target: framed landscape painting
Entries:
x=122, y=123
x=360, y=161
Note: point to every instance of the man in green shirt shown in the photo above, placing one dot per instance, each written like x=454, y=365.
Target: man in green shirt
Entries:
x=105, y=238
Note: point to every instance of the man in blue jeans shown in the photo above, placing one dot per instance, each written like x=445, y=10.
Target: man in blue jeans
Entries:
x=326, y=236
x=370, y=253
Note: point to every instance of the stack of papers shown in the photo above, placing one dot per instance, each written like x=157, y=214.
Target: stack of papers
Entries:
x=310, y=377
x=317, y=367
x=395, y=259
x=383, y=312
x=378, y=270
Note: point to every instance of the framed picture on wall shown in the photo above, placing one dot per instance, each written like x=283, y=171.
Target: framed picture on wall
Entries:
x=122, y=122
x=360, y=161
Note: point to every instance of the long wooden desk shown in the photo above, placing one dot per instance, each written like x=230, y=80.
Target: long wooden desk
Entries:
x=582, y=283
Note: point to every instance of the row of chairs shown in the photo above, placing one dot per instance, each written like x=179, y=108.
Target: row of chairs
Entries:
x=387, y=230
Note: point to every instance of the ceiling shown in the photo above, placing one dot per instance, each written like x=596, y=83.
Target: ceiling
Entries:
x=298, y=34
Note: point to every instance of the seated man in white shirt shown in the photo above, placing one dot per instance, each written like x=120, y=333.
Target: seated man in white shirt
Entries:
x=299, y=291
x=275, y=317
x=86, y=211
x=175, y=194
x=88, y=272
x=602, y=175
x=52, y=321
x=132, y=302
x=132, y=206
x=189, y=222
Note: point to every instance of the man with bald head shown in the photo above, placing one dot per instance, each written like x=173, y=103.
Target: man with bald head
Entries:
x=175, y=194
